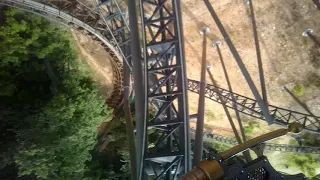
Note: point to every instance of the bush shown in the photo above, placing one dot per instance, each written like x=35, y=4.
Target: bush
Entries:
x=299, y=90
x=249, y=129
x=50, y=111
x=310, y=139
x=59, y=139
x=306, y=163
x=111, y=158
x=219, y=147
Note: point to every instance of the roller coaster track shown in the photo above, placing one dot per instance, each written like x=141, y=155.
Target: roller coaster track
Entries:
x=269, y=146
x=86, y=19
x=83, y=18
x=249, y=106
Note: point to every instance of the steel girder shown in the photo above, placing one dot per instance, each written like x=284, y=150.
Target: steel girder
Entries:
x=166, y=136
x=249, y=106
x=269, y=146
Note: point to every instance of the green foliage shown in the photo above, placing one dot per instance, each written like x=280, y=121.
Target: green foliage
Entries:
x=311, y=139
x=219, y=147
x=68, y=127
x=25, y=41
x=249, y=129
x=233, y=36
x=48, y=135
x=210, y=116
x=299, y=90
x=24, y=36
x=306, y=42
x=306, y=163
x=112, y=160
x=313, y=79
x=317, y=177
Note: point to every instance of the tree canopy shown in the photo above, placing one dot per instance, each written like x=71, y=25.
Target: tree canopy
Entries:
x=50, y=110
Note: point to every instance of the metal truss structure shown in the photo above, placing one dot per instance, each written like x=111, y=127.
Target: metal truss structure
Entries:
x=269, y=146
x=168, y=155
x=249, y=106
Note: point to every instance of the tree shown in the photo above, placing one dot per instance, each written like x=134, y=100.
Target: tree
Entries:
x=68, y=132
x=53, y=134
x=26, y=40
x=110, y=160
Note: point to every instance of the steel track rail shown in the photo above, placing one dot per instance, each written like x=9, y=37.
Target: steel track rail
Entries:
x=249, y=106
x=81, y=17
x=269, y=146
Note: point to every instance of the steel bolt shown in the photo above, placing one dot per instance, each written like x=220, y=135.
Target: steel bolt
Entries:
x=217, y=44
x=283, y=87
x=307, y=32
x=204, y=30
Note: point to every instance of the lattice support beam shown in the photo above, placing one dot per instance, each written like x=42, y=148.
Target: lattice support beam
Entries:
x=163, y=57
x=249, y=106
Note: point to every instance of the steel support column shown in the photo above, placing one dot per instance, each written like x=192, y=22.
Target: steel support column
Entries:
x=244, y=138
x=317, y=3
x=241, y=65
x=314, y=39
x=129, y=125
x=226, y=110
x=198, y=148
x=259, y=60
x=166, y=127
x=303, y=105
x=138, y=85
x=184, y=133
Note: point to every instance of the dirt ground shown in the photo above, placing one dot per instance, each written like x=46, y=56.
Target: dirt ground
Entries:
x=287, y=56
x=98, y=60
